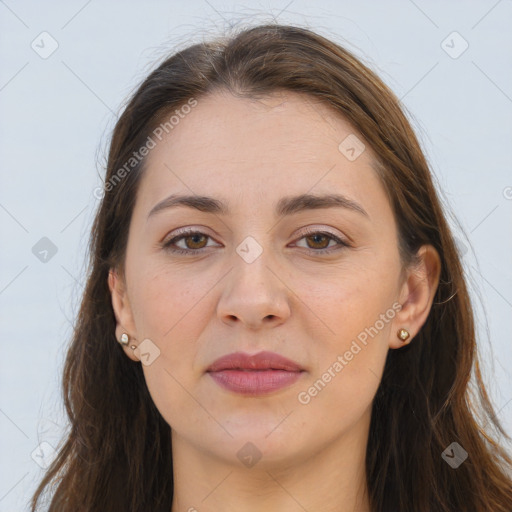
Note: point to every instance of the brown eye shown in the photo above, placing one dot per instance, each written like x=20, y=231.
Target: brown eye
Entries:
x=317, y=240
x=194, y=242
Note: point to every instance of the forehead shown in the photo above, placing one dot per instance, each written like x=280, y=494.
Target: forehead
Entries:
x=282, y=143
x=279, y=122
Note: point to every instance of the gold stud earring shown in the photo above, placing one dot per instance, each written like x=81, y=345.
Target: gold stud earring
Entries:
x=403, y=334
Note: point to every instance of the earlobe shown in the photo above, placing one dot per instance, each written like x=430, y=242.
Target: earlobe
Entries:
x=417, y=295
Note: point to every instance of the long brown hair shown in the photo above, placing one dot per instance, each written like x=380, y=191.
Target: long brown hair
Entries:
x=117, y=454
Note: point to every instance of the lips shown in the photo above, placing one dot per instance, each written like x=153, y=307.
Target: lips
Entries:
x=254, y=375
x=260, y=361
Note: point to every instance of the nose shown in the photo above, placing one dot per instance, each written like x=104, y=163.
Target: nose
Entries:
x=254, y=295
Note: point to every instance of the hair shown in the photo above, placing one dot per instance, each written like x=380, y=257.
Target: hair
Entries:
x=117, y=454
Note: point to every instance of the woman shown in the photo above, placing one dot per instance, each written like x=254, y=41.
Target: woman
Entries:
x=274, y=293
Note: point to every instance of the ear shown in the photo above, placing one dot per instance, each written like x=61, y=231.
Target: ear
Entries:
x=122, y=311
x=416, y=295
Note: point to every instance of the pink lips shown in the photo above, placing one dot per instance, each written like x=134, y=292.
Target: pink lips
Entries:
x=254, y=375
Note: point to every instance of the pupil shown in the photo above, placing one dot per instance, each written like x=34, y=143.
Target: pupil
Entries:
x=195, y=238
x=316, y=237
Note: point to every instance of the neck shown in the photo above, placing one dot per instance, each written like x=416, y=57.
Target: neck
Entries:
x=333, y=479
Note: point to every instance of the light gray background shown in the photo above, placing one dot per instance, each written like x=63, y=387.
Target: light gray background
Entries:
x=56, y=115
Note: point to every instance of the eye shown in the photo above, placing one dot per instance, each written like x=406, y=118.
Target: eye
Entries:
x=195, y=242
x=321, y=240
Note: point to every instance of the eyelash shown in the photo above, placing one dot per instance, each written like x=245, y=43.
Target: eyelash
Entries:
x=188, y=252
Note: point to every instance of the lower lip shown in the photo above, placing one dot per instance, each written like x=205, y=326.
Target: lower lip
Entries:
x=254, y=382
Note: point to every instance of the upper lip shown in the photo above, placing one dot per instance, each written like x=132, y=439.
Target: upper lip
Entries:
x=260, y=361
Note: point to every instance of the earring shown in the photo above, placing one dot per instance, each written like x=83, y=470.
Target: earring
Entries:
x=124, y=339
x=403, y=334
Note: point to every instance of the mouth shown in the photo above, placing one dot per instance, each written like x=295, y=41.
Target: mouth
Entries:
x=256, y=374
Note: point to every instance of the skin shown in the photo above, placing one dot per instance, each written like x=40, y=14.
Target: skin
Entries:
x=197, y=308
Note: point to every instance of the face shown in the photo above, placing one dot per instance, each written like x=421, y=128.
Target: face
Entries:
x=320, y=286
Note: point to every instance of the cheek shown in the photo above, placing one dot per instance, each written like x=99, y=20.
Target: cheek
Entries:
x=357, y=309
x=169, y=309
x=348, y=367
x=353, y=303
x=165, y=301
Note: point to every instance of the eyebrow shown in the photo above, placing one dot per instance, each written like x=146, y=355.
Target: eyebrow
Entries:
x=285, y=206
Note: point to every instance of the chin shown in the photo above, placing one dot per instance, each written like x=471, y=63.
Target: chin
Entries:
x=261, y=438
